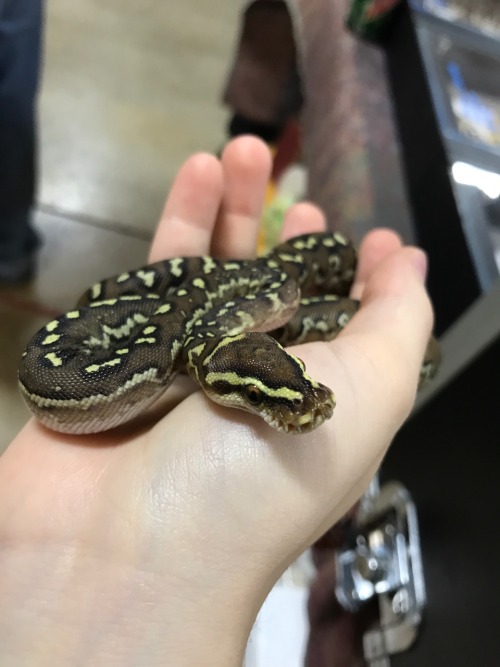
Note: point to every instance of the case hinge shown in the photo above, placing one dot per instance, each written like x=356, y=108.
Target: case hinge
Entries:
x=383, y=560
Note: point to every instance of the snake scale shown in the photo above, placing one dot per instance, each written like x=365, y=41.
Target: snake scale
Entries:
x=104, y=362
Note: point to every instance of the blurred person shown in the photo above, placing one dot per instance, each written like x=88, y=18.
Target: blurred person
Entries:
x=20, y=55
x=263, y=91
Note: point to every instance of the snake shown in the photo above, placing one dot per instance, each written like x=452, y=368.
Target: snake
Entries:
x=225, y=322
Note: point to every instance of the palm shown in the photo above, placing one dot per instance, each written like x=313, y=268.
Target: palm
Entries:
x=197, y=486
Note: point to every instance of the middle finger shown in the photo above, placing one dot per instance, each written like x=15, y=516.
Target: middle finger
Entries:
x=246, y=164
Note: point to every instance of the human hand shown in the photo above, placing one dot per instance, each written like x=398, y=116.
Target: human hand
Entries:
x=158, y=543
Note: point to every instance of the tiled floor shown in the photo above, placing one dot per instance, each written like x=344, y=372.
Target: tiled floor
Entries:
x=129, y=90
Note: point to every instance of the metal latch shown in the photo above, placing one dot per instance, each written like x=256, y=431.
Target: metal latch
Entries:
x=383, y=559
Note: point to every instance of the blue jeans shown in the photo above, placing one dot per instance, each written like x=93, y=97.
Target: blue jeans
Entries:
x=20, y=49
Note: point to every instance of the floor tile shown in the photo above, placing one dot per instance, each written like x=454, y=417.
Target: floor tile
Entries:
x=75, y=254
x=129, y=91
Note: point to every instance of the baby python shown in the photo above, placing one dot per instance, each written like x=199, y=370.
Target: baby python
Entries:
x=104, y=362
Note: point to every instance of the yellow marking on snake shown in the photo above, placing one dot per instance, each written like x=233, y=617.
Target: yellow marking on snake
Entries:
x=200, y=283
x=53, y=338
x=195, y=352
x=340, y=238
x=208, y=265
x=247, y=322
x=163, y=309
x=123, y=350
x=228, y=340
x=306, y=244
x=124, y=329
x=147, y=277
x=52, y=325
x=54, y=359
x=309, y=323
x=123, y=277
x=299, y=361
x=285, y=257
x=234, y=379
x=96, y=290
x=176, y=266
x=343, y=320
x=94, y=368
x=73, y=314
x=176, y=347
x=309, y=378
x=274, y=299
x=149, y=330
x=149, y=341
x=105, y=302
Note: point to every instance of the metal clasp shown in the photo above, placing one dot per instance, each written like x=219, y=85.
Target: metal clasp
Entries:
x=383, y=559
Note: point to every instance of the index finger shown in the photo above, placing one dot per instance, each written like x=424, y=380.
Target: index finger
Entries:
x=188, y=218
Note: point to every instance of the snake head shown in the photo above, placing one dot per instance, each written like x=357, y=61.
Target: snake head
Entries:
x=253, y=372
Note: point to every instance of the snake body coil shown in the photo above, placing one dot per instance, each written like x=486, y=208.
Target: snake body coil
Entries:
x=107, y=360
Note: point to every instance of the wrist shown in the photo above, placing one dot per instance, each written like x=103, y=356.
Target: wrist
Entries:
x=89, y=577
x=61, y=606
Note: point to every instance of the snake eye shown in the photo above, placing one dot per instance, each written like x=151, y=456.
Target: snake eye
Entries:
x=253, y=394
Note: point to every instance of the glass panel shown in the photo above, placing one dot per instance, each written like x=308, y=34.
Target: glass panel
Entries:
x=480, y=15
